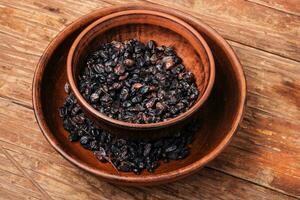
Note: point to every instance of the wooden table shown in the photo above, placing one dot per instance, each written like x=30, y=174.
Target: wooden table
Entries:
x=262, y=161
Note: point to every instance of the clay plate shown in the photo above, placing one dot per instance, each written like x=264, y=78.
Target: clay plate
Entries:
x=220, y=115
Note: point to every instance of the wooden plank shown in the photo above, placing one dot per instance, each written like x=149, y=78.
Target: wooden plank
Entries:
x=12, y=86
x=268, y=134
x=23, y=29
x=290, y=6
x=59, y=13
x=7, y=165
x=18, y=185
x=12, y=181
x=10, y=118
x=35, y=23
x=69, y=8
x=274, y=32
x=273, y=82
x=31, y=48
x=16, y=54
x=9, y=195
x=270, y=80
x=50, y=21
x=62, y=173
x=55, y=175
x=37, y=186
x=270, y=130
x=62, y=182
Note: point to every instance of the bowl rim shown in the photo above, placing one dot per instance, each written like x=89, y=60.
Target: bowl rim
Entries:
x=128, y=125
x=136, y=180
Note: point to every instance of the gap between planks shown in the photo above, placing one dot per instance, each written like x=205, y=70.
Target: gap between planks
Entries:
x=17, y=102
x=16, y=164
x=249, y=181
x=263, y=50
x=279, y=10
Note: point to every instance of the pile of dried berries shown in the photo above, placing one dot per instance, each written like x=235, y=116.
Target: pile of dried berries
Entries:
x=124, y=155
x=137, y=83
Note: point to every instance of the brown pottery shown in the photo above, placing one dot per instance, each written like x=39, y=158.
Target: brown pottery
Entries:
x=219, y=116
x=144, y=25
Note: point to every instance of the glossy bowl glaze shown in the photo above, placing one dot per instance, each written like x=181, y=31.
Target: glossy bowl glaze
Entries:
x=220, y=116
x=144, y=25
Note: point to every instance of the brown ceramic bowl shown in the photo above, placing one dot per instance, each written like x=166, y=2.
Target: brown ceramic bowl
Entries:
x=220, y=115
x=144, y=25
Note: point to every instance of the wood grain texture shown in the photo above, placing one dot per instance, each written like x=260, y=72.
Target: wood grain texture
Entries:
x=263, y=160
x=286, y=6
x=247, y=23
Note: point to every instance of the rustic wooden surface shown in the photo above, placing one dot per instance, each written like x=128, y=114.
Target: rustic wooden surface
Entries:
x=262, y=161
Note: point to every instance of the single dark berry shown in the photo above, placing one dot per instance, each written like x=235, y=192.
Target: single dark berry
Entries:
x=67, y=88
x=94, y=97
x=73, y=137
x=101, y=155
x=119, y=69
x=129, y=62
x=144, y=89
x=168, y=62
